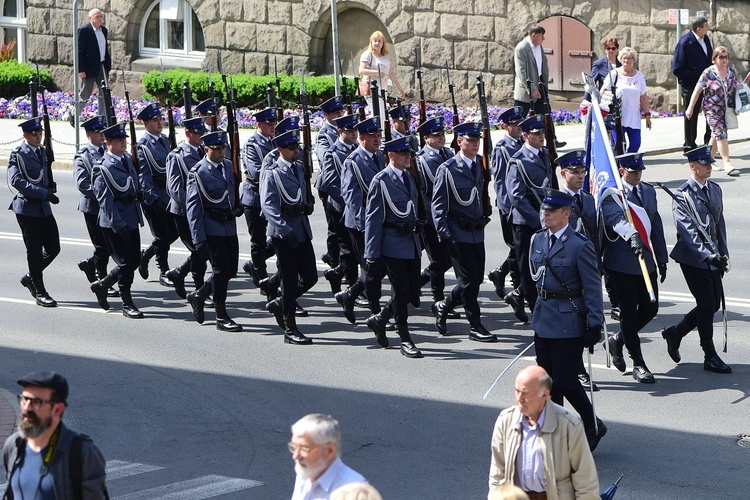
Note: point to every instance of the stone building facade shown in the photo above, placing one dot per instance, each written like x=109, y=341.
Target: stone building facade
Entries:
x=473, y=36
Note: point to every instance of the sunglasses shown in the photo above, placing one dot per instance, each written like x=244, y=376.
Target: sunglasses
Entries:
x=611, y=48
x=723, y=57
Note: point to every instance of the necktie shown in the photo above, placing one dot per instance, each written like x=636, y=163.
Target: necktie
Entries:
x=443, y=155
x=405, y=178
x=164, y=143
x=552, y=241
x=39, y=154
x=474, y=169
x=579, y=201
x=376, y=159
x=201, y=152
x=101, y=150
x=705, y=191
x=635, y=193
x=220, y=168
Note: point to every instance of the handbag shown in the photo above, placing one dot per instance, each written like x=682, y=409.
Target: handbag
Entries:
x=364, y=81
x=730, y=115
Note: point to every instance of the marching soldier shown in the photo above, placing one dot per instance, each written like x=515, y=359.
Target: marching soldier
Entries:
x=401, y=124
x=205, y=108
x=180, y=162
x=211, y=210
x=458, y=216
x=153, y=148
x=567, y=315
x=115, y=184
x=501, y=155
x=254, y=151
x=27, y=174
x=359, y=170
x=329, y=183
x=95, y=267
x=529, y=173
x=621, y=251
x=287, y=208
x=392, y=240
x=702, y=253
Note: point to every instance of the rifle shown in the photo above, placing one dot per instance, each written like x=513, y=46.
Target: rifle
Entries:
x=170, y=113
x=234, y=144
x=47, y=135
x=280, y=104
x=375, y=101
x=347, y=96
x=451, y=89
x=307, y=161
x=549, y=134
x=270, y=95
x=531, y=98
x=616, y=110
x=187, y=99
x=486, y=148
x=360, y=98
x=387, y=119
x=133, y=144
x=33, y=89
x=422, y=104
x=212, y=119
x=109, y=107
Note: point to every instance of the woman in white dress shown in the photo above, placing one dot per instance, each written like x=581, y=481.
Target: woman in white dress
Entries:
x=377, y=55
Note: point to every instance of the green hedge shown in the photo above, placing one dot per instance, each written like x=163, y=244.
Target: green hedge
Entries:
x=249, y=90
x=14, y=78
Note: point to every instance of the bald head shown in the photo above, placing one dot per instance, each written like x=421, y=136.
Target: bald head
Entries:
x=96, y=17
x=533, y=386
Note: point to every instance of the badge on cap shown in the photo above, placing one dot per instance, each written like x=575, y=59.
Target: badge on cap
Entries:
x=205, y=106
x=116, y=131
x=472, y=130
x=369, y=126
x=335, y=103
x=215, y=139
x=631, y=161
x=289, y=138
x=701, y=154
x=149, y=112
x=512, y=115
x=347, y=122
x=399, y=145
x=267, y=115
x=554, y=199
x=96, y=123
x=31, y=125
x=432, y=126
x=572, y=159
x=196, y=125
x=533, y=124
x=291, y=122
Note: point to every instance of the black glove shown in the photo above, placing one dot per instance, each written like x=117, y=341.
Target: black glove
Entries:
x=203, y=251
x=662, y=273
x=636, y=244
x=237, y=212
x=718, y=261
x=53, y=186
x=52, y=198
x=453, y=248
x=373, y=266
x=291, y=240
x=592, y=337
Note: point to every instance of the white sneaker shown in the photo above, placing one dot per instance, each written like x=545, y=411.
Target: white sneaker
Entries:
x=731, y=171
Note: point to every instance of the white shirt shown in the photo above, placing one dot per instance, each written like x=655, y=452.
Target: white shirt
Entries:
x=537, y=51
x=385, y=67
x=629, y=90
x=103, y=43
x=338, y=474
x=529, y=460
x=701, y=42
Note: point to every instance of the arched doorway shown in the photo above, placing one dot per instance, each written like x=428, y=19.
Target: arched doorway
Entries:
x=567, y=44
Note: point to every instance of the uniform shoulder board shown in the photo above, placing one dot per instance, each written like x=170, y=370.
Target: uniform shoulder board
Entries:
x=582, y=236
x=518, y=154
x=683, y=187
x=714, y=183
x=647, y=183
x=421, y=152
x=541, y=230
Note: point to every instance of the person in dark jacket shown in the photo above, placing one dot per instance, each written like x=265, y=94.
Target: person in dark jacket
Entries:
x=94, y=59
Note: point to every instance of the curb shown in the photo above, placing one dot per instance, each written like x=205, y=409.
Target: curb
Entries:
x=9, y=411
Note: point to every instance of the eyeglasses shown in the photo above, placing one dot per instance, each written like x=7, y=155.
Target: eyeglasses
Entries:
x=611, y=48
x=34, y=403
x=627, y=57
x=723, y=57
x=303, y=449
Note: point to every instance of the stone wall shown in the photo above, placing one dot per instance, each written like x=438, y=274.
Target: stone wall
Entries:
x=474, y=36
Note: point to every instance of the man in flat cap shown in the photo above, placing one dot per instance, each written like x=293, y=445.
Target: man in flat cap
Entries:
x=44, y=458
x=29, y=177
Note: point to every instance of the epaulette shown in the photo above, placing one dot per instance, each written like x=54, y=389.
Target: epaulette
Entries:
x=582, y=236
x=683, y=187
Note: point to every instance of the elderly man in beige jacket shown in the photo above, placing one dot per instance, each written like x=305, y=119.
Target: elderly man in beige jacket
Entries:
x=541, y=447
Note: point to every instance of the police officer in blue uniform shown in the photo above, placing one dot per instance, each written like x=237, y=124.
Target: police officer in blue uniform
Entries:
x=622, y=248
x=501, y=155
x=703, y=256
x=95, y=267
x=529, y=173
x=459, y=218
x=28, y=176
x=153, y=148
x=117, y=190
x=329, y=184
x=286, y=207
x=254, y=151
x=401, y=124
x=206, y=108
x=179, y=163
x=392, y=240
x=211, y=210
x=359, y=170
x=567, y=315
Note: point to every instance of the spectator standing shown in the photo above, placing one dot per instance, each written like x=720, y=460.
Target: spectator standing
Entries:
x=608, y=62
x=377, y=55
x=94, y=59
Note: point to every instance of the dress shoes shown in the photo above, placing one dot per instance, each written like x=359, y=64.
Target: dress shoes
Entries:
x=409, y=350
x=362, y=302
x=275, y=308
x=88, y=269
x=334, y=279
x=100, y=290
x=248, y=268
x=329, y=260
x=345, y=300
x=143, y=266
x=227, y=325
x=26, y=281
x=209, y=303
x=113, y=292
x=560, y=144
x=44, y=300
x=481, y=334
x=614, y=346
x=594, y=437
x=438, y=309
x=614, y=313
x=131, y=312
x=497, y=277
x=452, y=314
x=642, y=374
x=197, y=304
x=673, y=343
x=268, y=288
x=377, y=325
x=586, y=382
x=178, y=281
x=513, y=299
x=296, y=338
x=300, y=311
x=165, y=281
x=716, y=365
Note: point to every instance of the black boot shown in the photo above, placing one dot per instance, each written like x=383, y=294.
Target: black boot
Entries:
x=269, y=287
x=87, y=266
x=111, y=291
x=408, y=348
x=440, y=310
x=673, y=339
x=497, y=277
x=128, y=308
x=27, y=282
x=614, y=345
x=346, y=300
x=515, y=300
x=197, y=300
x=291, y=334
x=275, y=308
x=42, y=297
x=479, y=333
x=377, y=323
x=334, y=276
x=177, y=277
x=143, y=265
x=101, y=289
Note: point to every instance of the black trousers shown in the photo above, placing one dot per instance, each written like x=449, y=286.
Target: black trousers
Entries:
x=373, y=285
x=636, y=310
x=538, y=107
x=404, y=277
x=333, y=247
x=164, y=231
x=260, y=249
x=440, y=260
x=522, y=241
x=691, y=124
x=125, y=250
x=469, y=269
x=101, y=254
x=224, y=254
x=511, y=261
x=194, y=263
x=707, y=288
x=560, y=358
x=42, y=240
x=347, y=260
x=298, y=270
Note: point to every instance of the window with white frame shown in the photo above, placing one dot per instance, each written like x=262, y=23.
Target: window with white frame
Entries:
x=13, y=26
x=171, y=28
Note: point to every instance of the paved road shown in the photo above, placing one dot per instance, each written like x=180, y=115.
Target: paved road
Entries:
x=182, y=408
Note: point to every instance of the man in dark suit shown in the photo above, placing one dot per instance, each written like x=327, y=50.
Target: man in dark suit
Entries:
x=691, y=56
x=93, y=55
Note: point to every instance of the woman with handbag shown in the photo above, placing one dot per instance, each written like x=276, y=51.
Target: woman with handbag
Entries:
x=719, y=84
x=377, y=55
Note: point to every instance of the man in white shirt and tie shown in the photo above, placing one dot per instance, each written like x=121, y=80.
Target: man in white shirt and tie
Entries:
x=93, y=56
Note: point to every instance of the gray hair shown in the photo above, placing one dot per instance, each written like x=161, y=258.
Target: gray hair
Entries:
x=698, y=22
x=628, y=50
x=322, y=429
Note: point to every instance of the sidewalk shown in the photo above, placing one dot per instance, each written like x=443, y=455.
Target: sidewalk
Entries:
x=8, y=414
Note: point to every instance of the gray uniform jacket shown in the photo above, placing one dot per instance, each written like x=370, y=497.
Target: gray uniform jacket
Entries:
x=179, y=163
x=116, y=188
x=92, y=473
x=210, y=201
x=526, y=69
x=282, y=188
x=429, y=160
x=576, y=264
x=327, y=135
x=501, y=155
x=28, y=176
x=329, y=180
x=255, y=150
x=457, y=195
x=152, y=160
x=690, y=248
x=83, y=165
x=528, y=175
x=359, y=170
x=586, y=221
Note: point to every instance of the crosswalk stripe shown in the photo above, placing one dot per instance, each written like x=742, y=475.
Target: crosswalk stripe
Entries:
x=194, y=489
x=117, y=469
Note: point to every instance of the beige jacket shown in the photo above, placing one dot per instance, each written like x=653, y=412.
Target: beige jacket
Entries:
x=569, y=469
x=526, y=68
